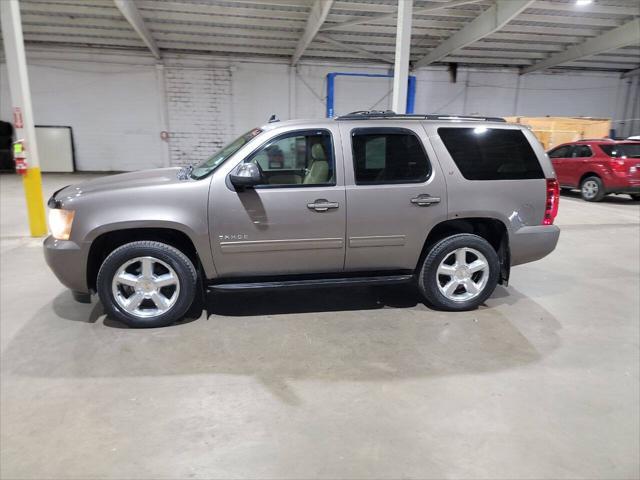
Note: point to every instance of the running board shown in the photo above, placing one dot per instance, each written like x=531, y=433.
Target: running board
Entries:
x=312, y=283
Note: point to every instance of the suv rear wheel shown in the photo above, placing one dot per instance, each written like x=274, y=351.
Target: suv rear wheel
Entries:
x=592, y=189
x=147, y=284
x=459, y=273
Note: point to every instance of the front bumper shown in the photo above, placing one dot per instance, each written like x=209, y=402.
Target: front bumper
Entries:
x=529, y=244
x=68, y=261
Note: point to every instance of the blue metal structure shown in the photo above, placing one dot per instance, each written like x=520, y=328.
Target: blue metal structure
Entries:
x=331, y=77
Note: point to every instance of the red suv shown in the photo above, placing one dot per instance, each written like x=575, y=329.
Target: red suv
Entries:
x=598, y=167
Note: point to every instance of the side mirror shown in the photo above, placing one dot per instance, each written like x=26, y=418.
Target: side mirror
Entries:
x=246, y=175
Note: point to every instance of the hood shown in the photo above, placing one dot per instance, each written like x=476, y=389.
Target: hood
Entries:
x=122, y=181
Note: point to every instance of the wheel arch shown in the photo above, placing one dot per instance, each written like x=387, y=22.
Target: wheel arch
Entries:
x=491, y=229
x=107, y=242
x=587, y=175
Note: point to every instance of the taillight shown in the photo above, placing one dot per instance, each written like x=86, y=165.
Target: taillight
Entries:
x=618, y=166
x=553, y=197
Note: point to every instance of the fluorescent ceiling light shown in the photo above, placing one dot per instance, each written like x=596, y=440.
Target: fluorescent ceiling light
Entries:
x=582, y=3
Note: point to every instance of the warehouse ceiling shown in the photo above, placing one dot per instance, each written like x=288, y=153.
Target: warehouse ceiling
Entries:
x=354, y=30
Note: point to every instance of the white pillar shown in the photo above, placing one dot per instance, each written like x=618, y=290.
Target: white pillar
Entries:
x=292, y=92
x=18, y=78
x=23, y=112
x=163, y=111
x=403, y=49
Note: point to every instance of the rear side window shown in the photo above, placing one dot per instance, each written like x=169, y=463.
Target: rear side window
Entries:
x=624, y=150
x=388, y=155
x=491, y=153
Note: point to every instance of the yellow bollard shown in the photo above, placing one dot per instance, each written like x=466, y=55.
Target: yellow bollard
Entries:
x=32, y=182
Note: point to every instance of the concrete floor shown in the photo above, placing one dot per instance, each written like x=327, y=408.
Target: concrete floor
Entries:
x=543, y=382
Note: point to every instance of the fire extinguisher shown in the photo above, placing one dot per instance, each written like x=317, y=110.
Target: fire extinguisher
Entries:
x=20, y=157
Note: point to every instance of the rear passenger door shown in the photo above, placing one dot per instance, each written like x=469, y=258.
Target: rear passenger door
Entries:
x=395, y=193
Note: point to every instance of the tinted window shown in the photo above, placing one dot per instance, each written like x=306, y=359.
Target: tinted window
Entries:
x=561, y=152
x=388, y=155
x=581, y=151
x=491, y=153
x=297, y=158
x=628, y=150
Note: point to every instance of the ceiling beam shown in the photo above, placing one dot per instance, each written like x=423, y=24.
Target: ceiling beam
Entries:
x=627, y=34
x=386, y=16
x=631, y=73
x=317, y=16
x=488, y=22
x=133, y=16
x=355, y=48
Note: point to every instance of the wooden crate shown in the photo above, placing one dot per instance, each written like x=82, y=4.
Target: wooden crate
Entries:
x=552, y=131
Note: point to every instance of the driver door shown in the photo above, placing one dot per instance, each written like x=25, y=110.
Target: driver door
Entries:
x=294, y=221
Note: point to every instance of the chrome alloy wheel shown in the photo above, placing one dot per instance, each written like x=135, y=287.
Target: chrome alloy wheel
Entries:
x=145, y=287
x=589, y=189
x=463, y=274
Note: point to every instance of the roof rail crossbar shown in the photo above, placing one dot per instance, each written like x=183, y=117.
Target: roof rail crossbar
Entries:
x=391, y=115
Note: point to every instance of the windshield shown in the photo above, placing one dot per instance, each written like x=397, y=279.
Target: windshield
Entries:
x=622, y=150
x=213, y=162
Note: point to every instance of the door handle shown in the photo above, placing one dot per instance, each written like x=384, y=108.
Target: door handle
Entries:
x=322, y=205
x=425, y=200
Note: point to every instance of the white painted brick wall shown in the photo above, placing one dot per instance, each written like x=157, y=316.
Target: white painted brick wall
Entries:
x=199, y=106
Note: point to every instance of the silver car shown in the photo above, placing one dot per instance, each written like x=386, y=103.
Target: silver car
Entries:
x=450, y=203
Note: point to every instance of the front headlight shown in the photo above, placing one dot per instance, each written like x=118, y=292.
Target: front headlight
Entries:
x=60, y=223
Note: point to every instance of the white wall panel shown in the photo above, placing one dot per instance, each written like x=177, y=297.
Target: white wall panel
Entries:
x=113, y=110
x=435, y=93
x=567, y=94
x=259, y=91
x=116, y=108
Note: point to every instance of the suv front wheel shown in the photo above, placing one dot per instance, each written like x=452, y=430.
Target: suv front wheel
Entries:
x=459, y=273
x=147, y=284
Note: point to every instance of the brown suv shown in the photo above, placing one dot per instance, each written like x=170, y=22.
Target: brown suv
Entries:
x=450, y=203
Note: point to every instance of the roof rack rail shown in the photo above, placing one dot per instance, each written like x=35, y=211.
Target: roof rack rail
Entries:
x=391, y=115
x=606, y=139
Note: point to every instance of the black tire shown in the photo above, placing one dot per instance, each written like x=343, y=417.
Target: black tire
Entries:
x=428, y=279
x=178, y=261
x=587, y=194
x=635, y=197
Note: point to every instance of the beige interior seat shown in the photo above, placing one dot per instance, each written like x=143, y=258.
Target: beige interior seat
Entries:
x=319, y=168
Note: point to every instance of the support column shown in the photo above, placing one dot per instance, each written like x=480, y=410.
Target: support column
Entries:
x=292, y=92
x=163, y=110
x=403, y=49
x=21, y=100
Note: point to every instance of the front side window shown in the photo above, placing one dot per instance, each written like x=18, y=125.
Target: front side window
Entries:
x=483, y=153
x=301, y=158
x=561, y=152
x=388, y=155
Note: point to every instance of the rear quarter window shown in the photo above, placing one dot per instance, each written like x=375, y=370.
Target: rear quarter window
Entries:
x=491, y=153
